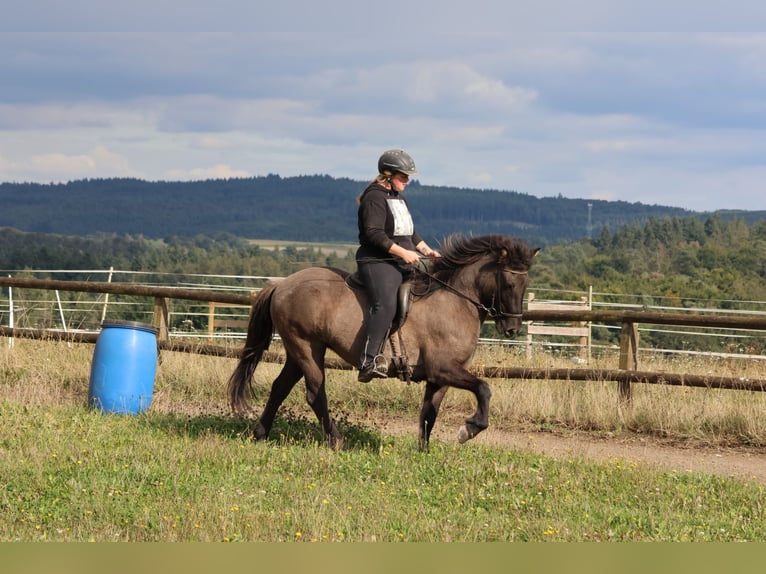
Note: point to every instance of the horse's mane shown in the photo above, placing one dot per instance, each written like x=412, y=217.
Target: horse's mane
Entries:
x=458, y=251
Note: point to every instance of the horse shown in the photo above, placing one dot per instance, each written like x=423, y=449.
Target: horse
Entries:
x=315, y=309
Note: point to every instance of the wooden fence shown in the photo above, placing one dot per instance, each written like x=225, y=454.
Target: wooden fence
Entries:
x=626, y=373
x=581, y=329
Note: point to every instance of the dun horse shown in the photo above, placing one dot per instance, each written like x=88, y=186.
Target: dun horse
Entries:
x=477, y=278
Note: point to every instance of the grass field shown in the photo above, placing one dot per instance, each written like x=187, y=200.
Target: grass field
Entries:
x=340, y=249
x=187, y=470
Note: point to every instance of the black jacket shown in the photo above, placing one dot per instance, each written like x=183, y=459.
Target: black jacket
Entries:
x=384, y=219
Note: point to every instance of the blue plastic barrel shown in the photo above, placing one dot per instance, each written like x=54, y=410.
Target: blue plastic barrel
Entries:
x=123, y=368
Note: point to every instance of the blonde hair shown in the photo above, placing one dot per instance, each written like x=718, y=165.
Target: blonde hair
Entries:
x=381, y=178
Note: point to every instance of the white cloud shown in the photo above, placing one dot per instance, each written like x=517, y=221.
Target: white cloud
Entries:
x=600, y=111
x=439, y=81
x=211, y=142
x=61, y=166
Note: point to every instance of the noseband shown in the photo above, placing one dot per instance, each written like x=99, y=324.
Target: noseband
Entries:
x=497, y=312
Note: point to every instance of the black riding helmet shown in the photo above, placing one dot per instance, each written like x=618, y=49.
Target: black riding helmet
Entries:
x=396, y=161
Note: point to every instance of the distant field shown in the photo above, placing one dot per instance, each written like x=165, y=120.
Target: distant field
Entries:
x=340, y=249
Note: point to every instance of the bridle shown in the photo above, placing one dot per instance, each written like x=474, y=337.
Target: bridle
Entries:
x=499, y=313
x=491, y=311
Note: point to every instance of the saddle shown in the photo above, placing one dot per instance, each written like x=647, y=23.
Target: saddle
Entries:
x=403, y=303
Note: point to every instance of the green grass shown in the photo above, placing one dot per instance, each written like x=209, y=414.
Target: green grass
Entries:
x=73, y=474
x=188, y=471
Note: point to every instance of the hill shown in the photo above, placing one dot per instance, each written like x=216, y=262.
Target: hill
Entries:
x=669, y=262
x=306, y=208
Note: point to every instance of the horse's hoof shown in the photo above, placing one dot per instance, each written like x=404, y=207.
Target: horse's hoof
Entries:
x=463, y=435
x=335, y=443
x=260, y=433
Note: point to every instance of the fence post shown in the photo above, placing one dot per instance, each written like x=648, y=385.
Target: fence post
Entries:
x=10, y=315
x=211, y=318
x=161, y=318
x=530, y=298
x=628, y=356
x=584, y=352
x=590, y=324
x=106, y=296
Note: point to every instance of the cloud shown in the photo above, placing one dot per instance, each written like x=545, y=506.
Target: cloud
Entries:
x=545, y=98
x=212, y=142
x=58, y=166
x=454, y=81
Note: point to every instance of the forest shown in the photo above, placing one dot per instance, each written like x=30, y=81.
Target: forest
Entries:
x=684, y=262
x=306, y=208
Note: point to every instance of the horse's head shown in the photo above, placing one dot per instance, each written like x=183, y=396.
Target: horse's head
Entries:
x=510, y=286
x=497, y=266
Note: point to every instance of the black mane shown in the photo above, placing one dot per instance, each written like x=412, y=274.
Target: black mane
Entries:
x=460, y=250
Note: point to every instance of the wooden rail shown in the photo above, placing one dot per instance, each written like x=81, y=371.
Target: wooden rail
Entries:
x=757, y=323
x=522, y=373
x=581, y=329
x=626, y=374
x=127, y=289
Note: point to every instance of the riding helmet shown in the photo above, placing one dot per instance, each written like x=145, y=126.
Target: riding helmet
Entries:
x=396, y=161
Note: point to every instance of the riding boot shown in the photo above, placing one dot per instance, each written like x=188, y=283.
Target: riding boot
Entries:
x=373, y=363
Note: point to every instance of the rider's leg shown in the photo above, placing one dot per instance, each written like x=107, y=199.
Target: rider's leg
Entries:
x=382, y=282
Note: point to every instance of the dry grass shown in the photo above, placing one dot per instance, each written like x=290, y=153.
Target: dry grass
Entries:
x=57, y=373
x=715, y=416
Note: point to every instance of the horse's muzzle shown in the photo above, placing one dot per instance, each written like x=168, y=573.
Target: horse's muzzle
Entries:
x=511, y=332
x=508, y=326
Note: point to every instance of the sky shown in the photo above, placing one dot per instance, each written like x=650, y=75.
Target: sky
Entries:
x=654, y=102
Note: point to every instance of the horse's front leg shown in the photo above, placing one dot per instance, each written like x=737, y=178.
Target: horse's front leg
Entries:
x=459, y=378
x=480, y=419
x=429, y=410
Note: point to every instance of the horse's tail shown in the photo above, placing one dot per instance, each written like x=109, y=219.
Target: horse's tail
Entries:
x=260, y=330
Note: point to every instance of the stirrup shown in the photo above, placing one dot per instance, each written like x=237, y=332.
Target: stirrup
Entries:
x=375, y=370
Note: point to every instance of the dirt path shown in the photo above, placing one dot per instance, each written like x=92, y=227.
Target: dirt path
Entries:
x=740, y=463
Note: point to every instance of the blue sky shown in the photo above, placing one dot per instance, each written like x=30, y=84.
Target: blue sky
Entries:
x=653, y=102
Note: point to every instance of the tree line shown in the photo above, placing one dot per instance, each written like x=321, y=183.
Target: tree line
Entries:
x=316, y=208
x=671, y=261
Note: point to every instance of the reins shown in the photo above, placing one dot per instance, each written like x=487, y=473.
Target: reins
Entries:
x=491, y=311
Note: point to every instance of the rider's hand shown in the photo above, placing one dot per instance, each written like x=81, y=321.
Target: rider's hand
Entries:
x=410, y=256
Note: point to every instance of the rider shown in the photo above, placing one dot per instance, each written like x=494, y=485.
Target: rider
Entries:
x=388, y=246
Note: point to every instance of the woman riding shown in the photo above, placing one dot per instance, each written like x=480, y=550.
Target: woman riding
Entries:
x=388, y=246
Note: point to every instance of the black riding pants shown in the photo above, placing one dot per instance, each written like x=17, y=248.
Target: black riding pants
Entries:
x=381, y=280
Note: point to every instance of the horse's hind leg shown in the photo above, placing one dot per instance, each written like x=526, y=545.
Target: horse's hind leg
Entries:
x=310, y=358
x=280, y=388
x=429, y=410
x=316, y=395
